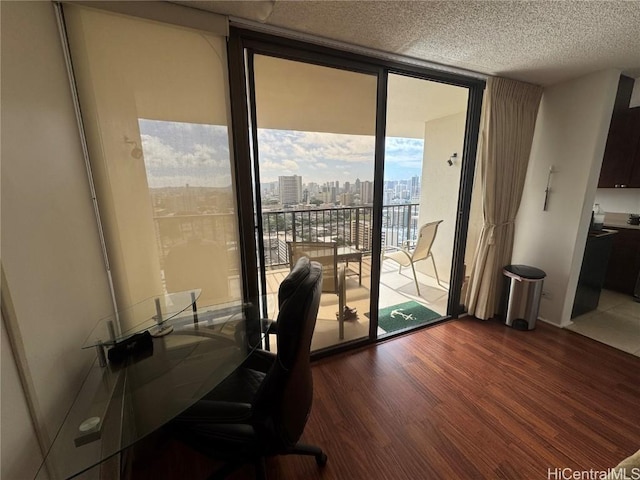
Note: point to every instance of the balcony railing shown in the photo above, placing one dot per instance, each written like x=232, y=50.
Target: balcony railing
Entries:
x=344, y=225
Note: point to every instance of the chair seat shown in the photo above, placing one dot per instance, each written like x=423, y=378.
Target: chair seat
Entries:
x=400, y=256
x=241, y=386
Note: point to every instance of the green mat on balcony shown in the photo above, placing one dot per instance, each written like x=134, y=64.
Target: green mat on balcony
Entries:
x=405, y=315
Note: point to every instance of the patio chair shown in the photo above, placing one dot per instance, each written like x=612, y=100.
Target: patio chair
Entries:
x=407, y=256
x=326, y=253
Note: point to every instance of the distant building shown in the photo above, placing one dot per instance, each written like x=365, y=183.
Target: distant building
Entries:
x=415, y=189
x=182, y=200
x=290, y=189
x=366, y=194
x=361, y=234
x=346, y=199
x=388, y=196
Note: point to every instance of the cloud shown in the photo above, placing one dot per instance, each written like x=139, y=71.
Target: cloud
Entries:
x=290, y=165
x=157, y=153
x=317, y=156
x=322, y=157
x=177, y=153
x=315, y=148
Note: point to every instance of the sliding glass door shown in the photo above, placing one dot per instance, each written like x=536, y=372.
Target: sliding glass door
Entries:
x=344, y=158
x=425, y=133
x=314, y=154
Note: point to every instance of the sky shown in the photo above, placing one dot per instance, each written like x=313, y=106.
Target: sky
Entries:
x=177, y=153
x=323, y=157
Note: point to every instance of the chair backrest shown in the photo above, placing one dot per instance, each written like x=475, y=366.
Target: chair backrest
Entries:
x=426, y=236
x=325, y=253
x=283, y=402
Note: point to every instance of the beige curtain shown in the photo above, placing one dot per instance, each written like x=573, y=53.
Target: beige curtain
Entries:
x=506, y=132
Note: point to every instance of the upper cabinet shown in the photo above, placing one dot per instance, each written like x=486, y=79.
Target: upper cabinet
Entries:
x=634, y=180
x=621, y=162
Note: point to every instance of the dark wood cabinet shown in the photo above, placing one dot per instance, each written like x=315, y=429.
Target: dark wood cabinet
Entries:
x=621, y=162
x=634, y=181
x=624, y=262
x=592, y=274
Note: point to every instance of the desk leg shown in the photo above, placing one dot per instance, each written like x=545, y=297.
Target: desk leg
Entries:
x=194, y=308
x=102, y=358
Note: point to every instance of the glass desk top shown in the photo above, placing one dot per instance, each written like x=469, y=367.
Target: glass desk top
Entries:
x=147, y=314
x=119, y=405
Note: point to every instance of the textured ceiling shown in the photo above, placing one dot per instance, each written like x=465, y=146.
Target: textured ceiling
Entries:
x=542, y=42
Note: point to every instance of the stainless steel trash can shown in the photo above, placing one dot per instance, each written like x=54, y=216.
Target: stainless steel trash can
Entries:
x=521, y=296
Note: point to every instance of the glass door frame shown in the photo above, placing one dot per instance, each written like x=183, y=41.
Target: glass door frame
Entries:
x=243, y=44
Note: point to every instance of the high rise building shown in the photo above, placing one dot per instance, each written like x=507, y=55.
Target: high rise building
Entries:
x=366, y=194
x=415, y=188
x=361, y=234
x=290, y=189
x=346, y=199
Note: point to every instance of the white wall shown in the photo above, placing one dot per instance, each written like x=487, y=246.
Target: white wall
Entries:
x=50, y=248
x=571, y=132
x=619, y=200
x=20, y=451
x=440, y=185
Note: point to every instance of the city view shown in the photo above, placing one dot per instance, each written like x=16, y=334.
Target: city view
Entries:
x=189, y=177
x=334, y=212
x=290, y=191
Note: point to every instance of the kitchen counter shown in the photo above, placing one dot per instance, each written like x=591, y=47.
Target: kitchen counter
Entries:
x=618, y=220
x=601, y=233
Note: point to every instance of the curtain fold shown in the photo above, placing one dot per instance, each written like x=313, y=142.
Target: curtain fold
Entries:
x=508, y=120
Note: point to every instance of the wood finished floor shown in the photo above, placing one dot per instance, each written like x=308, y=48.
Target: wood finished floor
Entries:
x=464, y=399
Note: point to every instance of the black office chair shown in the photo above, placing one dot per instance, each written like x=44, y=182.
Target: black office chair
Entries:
x=261, y=410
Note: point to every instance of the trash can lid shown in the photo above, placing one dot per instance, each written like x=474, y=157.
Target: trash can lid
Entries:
x=525, y=271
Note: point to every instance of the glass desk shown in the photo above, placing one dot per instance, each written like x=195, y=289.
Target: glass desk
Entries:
x=119, y=405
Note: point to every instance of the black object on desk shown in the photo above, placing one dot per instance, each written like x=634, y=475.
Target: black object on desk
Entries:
x=138, y=345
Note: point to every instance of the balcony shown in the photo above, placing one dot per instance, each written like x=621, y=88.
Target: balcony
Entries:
x=348, y=226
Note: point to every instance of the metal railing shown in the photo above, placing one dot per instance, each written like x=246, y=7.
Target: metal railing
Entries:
x=344, y=225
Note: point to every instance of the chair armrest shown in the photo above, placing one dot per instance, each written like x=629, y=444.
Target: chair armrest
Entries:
x=269, y=326
x=260, y=360
x=394, y=249
x=409, y=244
